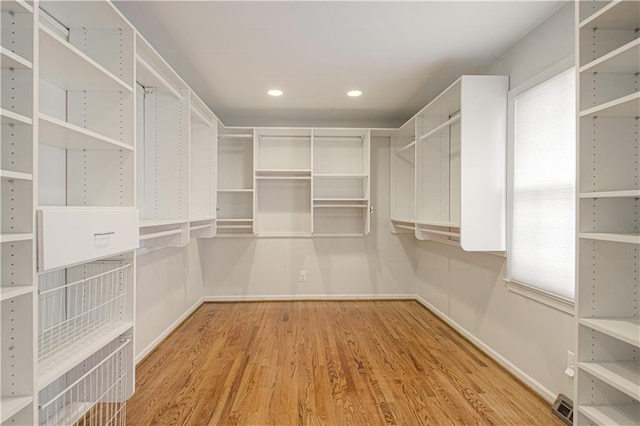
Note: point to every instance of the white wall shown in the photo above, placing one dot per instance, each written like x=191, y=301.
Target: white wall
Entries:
x=169, y=285
x=469, y=289
x=379, y=264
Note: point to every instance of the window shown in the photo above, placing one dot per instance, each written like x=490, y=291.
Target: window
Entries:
x=543, y=186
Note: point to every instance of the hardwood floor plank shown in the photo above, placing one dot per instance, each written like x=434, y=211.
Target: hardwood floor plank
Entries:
x=325, y=363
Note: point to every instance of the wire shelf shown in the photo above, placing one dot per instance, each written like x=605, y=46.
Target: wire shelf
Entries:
x=76, y=307
x=93, y=393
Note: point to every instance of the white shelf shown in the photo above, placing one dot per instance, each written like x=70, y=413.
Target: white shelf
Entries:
x=199, y=227
x=339, y=199
x=338, y=235
x=11, y=405
x=347, y=206
x=235, y=220
x=622, y=375
x=616, y=414
x=283, y=234
x=624, y=60
x=632, y=193
x=238, y=136
x=201, y=219
x=235, y=226
x=617, y=238
x=17, y=6
x=403, y=219
x=626, y=106
x=10, y=59
x=67, y=67
x=65, y=135
x=47, y=375
x=160, y=234
x=10, y=238
x=148, y=223
x=447, y=123
x=446, y=224
x=436, y=232
x=7, y=174
x=149, y=77
x=235, y=190
x=625, y=329
x=7, y=293
x=9, y=117
x=340, y=176
x=283, y=177
x=284, y=171
x=619, y=14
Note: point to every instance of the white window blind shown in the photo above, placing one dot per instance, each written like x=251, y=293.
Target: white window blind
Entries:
x=542, y=249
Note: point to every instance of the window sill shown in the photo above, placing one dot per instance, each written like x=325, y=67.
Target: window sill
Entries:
x=550, y=300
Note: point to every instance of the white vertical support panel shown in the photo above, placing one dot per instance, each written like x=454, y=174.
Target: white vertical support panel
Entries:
x=312, y=181
x=255, y=148
x=366, y=181
x=482, y=160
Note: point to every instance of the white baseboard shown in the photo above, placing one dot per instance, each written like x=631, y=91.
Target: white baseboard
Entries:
x=151, y=346
x=508, y=365
x=289, y=297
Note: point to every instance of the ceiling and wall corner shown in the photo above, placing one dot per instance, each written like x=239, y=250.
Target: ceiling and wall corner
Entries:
x=400, y=54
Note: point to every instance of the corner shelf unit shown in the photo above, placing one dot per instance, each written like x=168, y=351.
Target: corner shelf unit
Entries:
x=459, y=165
x=607, y=388
x=403, y=179
x=235, y=198
x=163, y=154
x=17, y=228
x=203, y=169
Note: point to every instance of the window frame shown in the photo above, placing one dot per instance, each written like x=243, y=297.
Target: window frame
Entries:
x=527, y=290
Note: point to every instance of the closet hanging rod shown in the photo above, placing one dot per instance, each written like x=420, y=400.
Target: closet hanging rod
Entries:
x=407, y=146
x=449, y=122
x=158, y=77
x=200, y=116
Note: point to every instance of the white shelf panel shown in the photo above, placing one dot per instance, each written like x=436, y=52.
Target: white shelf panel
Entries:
x=626, y=106
x=17, y=6
x=339, y=199
x=624, y=60
x=64, y=135
x=148, y=223
x=193, y=228
x=235, y=220
x=283, y=234
x=340, y=176
x=10, y=238
x=283, y=177
x=632, y=193
x=160, y=234
x=47, y=375
x=338, y=235
x=7, y=293
x=201, y=219
x=447, y=224
x=235, y=190
x=437, y=232
x=619, y=14
x=67, y=67
x=235, y=226
x=7, y=174
x=234, y=136
x=11, y=405
x=622, y=375
x=403, y=219
x=616, y=414
x=617, y=238
x=346, y=206
x=625, y=329
x=9, y=117
x=10, y=59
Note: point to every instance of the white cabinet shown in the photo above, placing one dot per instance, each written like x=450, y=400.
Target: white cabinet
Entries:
x=460, y=165
x=68, y=237
x=607, y=388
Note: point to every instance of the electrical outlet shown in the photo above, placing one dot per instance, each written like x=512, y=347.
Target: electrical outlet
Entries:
x=571, y=359
x=302, y=277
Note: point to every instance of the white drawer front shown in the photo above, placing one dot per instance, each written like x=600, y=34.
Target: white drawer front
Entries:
x=67, y=237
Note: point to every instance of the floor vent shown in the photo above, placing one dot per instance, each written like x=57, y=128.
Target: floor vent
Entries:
x=563, y=408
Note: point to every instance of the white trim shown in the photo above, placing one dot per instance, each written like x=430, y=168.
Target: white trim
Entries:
x=535, y=385
x=151, y=346
x=311, y=297
x=527, y=290
x=549, y=299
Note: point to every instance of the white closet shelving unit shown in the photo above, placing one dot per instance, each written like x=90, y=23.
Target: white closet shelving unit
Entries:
x=163, y=126
x=283, y=182
x=341, y=182
x=86, y=220
x=203, y=169
x=460, y=158
x=235, y=182
x=17, y=248
x=403, y=179
x=607, y=388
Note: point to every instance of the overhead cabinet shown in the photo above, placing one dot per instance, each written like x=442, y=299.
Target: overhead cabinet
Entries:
x=607, y=390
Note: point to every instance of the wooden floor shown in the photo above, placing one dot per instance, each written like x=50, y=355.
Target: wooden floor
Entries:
x=326, y=363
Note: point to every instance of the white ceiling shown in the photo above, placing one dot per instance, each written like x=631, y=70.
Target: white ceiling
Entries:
x=400, y=54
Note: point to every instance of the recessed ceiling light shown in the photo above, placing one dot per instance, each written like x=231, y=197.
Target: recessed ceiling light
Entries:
x=275, y=92
x=354, y=93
